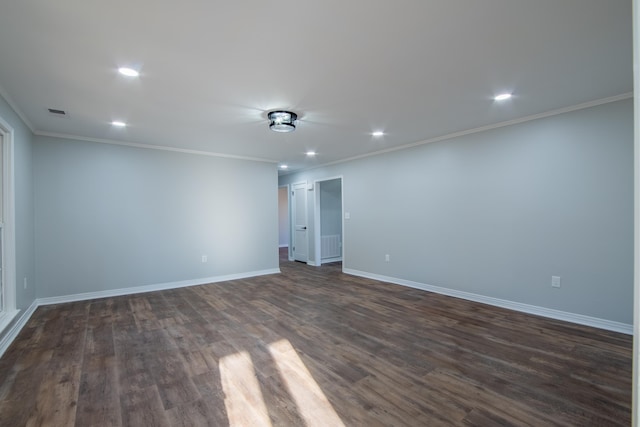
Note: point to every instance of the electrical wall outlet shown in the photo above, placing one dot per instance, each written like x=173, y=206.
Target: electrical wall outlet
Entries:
x=387, y=258
x=555, y=281
x=25, y=283
x=204, y=258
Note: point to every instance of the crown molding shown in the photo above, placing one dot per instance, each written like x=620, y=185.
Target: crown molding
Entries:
x=549, y=113
x=18, y=111
x=151, y=146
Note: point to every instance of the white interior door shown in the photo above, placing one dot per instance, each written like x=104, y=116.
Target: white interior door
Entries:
x=300, y=248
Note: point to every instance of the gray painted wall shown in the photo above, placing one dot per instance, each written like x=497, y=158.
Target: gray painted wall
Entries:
x=497, y=213
x=112, y=217
x=283, y=217
x=24, y=206
x=330, y=207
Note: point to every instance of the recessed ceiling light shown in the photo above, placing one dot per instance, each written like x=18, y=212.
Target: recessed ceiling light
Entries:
x=377, y=133
x=311, y=153
x=118, y=123
x=502, y=97
x=129, y=72
x=283, y=166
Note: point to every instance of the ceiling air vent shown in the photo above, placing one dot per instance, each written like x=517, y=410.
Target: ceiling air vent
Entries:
x=57, y=112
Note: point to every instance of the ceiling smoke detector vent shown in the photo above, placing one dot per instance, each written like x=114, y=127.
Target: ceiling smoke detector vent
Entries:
x=57, y=112
x=282, y=121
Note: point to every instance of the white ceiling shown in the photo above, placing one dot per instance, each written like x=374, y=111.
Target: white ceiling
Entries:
x=211, y=70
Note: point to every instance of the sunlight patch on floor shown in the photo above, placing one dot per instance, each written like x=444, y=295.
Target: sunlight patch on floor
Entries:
x=243, y=398
x=313, y=406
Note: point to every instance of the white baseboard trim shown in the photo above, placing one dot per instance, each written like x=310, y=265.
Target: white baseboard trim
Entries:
x=6, y=318
x=12, y=333
x=150, y=288
x=284, y=246
x=516, y=306
x=328, y=260
x=312, y=263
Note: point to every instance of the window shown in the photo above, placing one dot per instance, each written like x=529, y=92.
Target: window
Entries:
x=7, y=228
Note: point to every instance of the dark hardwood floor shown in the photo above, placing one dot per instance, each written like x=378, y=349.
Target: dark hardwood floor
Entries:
x=310, y=346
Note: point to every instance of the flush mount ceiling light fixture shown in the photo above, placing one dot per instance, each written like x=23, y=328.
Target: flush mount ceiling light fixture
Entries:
x=282, y=121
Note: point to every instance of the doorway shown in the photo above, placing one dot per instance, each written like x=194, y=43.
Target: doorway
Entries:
x=329, y=217
x=283, y=223
x=299, y=241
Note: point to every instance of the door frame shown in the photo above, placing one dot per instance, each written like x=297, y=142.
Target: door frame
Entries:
x=317, y=256
x=291, y=219
x=288, y=188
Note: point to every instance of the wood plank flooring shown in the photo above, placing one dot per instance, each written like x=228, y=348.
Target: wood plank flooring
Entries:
x=314, y=347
